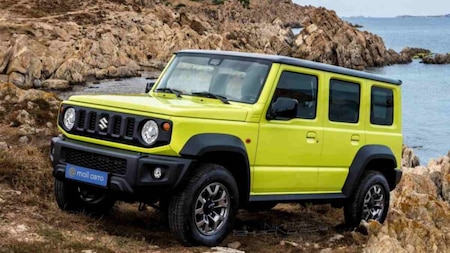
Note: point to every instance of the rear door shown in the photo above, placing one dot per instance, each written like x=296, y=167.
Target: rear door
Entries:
x=344, y=129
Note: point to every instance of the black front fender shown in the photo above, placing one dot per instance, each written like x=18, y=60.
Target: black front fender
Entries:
x=204, y=143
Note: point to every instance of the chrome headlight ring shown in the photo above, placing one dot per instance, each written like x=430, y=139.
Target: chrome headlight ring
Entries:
x=150, y=132
x=69, y=118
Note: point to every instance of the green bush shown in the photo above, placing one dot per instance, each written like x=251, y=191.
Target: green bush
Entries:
x=245, y=3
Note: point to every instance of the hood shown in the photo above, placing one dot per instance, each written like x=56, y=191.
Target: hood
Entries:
x=187, y=106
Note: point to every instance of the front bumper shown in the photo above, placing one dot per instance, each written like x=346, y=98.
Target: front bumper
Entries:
x=128, y=171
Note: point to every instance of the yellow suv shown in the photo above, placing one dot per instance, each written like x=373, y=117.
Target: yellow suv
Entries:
x=221, y=131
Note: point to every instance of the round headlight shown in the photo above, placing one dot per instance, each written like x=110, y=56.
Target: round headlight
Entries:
x=150, y=132
x=69, y=118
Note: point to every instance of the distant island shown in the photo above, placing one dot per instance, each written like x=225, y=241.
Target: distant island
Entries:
x=400, y=16
x=430, y=16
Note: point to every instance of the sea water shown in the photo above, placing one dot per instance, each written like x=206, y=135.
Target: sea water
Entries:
x=425, y=88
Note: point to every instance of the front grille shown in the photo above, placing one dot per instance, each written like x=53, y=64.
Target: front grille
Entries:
x=95, y=161
x=106, y=126
x=114, y=126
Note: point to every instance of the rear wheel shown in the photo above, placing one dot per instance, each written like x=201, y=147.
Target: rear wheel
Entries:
x=81, y=198
x=370, y=200
x=203, y=212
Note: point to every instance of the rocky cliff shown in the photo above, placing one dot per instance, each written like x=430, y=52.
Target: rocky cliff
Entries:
x=95, y=39
x=419, y=217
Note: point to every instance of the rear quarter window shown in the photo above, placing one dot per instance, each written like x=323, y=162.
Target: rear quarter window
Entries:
x=381, y=106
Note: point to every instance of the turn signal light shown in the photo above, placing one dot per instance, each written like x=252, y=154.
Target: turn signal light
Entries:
x=166, y=126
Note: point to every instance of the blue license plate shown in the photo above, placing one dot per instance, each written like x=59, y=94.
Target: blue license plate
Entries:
x=86, y=175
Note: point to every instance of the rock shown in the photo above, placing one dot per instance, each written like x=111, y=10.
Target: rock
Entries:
x=18, y=80
x=418, y=217
x=415, y=53
x=49, y=66
x=89, y=45
x=437, y=59
x=234, y=245
x=327, y=250
x=27, y=108
x=55, y=84
x=409, y=159
x=26, y=130
x=224, y=250
x=4, y=78
x=5, y=56
x=336, y=237
x=3, y=145
x=101, y=74
x=23, y=61
x=330, y=40
x=284, y=242
x=23, y=139
x=23, y=117
x=72, y=70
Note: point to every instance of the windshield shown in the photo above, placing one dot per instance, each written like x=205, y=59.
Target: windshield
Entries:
x=232, y=78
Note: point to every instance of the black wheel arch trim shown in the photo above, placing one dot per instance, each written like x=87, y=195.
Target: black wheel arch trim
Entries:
x=201, y=144
x=363, y=157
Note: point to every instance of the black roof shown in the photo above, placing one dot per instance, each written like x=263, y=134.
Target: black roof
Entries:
x=297, y=62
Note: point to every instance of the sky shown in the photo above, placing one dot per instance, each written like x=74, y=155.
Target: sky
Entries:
x=382, y=8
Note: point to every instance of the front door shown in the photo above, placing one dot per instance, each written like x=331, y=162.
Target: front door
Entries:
x=288, y=153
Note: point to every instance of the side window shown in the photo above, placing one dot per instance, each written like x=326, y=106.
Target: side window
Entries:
x=302, y=88
x=382, y=106
x=344, y=101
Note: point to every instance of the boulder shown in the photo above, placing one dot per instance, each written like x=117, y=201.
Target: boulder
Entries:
x=3, y=145
x=18, y=79
x=72, y=70
x=418, y=220
x=4, y=78
x=437, y=59
x=25, y=62
x=5, y=56
x=409, y=159
x=55, y=84
x=414, y=52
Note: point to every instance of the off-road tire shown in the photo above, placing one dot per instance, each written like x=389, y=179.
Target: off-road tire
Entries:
x=68, y=199
x=354, y=208
x=182, y=206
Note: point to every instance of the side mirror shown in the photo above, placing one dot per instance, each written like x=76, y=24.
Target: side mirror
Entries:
x=283, y=108
x=150, y=85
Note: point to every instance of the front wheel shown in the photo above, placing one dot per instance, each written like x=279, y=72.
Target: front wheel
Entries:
x=81, y=198
x=203, y=212
x=370, y=200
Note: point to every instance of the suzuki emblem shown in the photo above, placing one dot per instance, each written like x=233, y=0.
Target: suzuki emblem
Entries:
x=103, y=123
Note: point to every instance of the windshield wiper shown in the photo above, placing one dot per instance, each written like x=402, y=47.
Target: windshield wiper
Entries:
x=170, y=90
x=211, y=95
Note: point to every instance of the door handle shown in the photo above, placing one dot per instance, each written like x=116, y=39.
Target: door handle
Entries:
x=311, y=137
x=355, y=139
